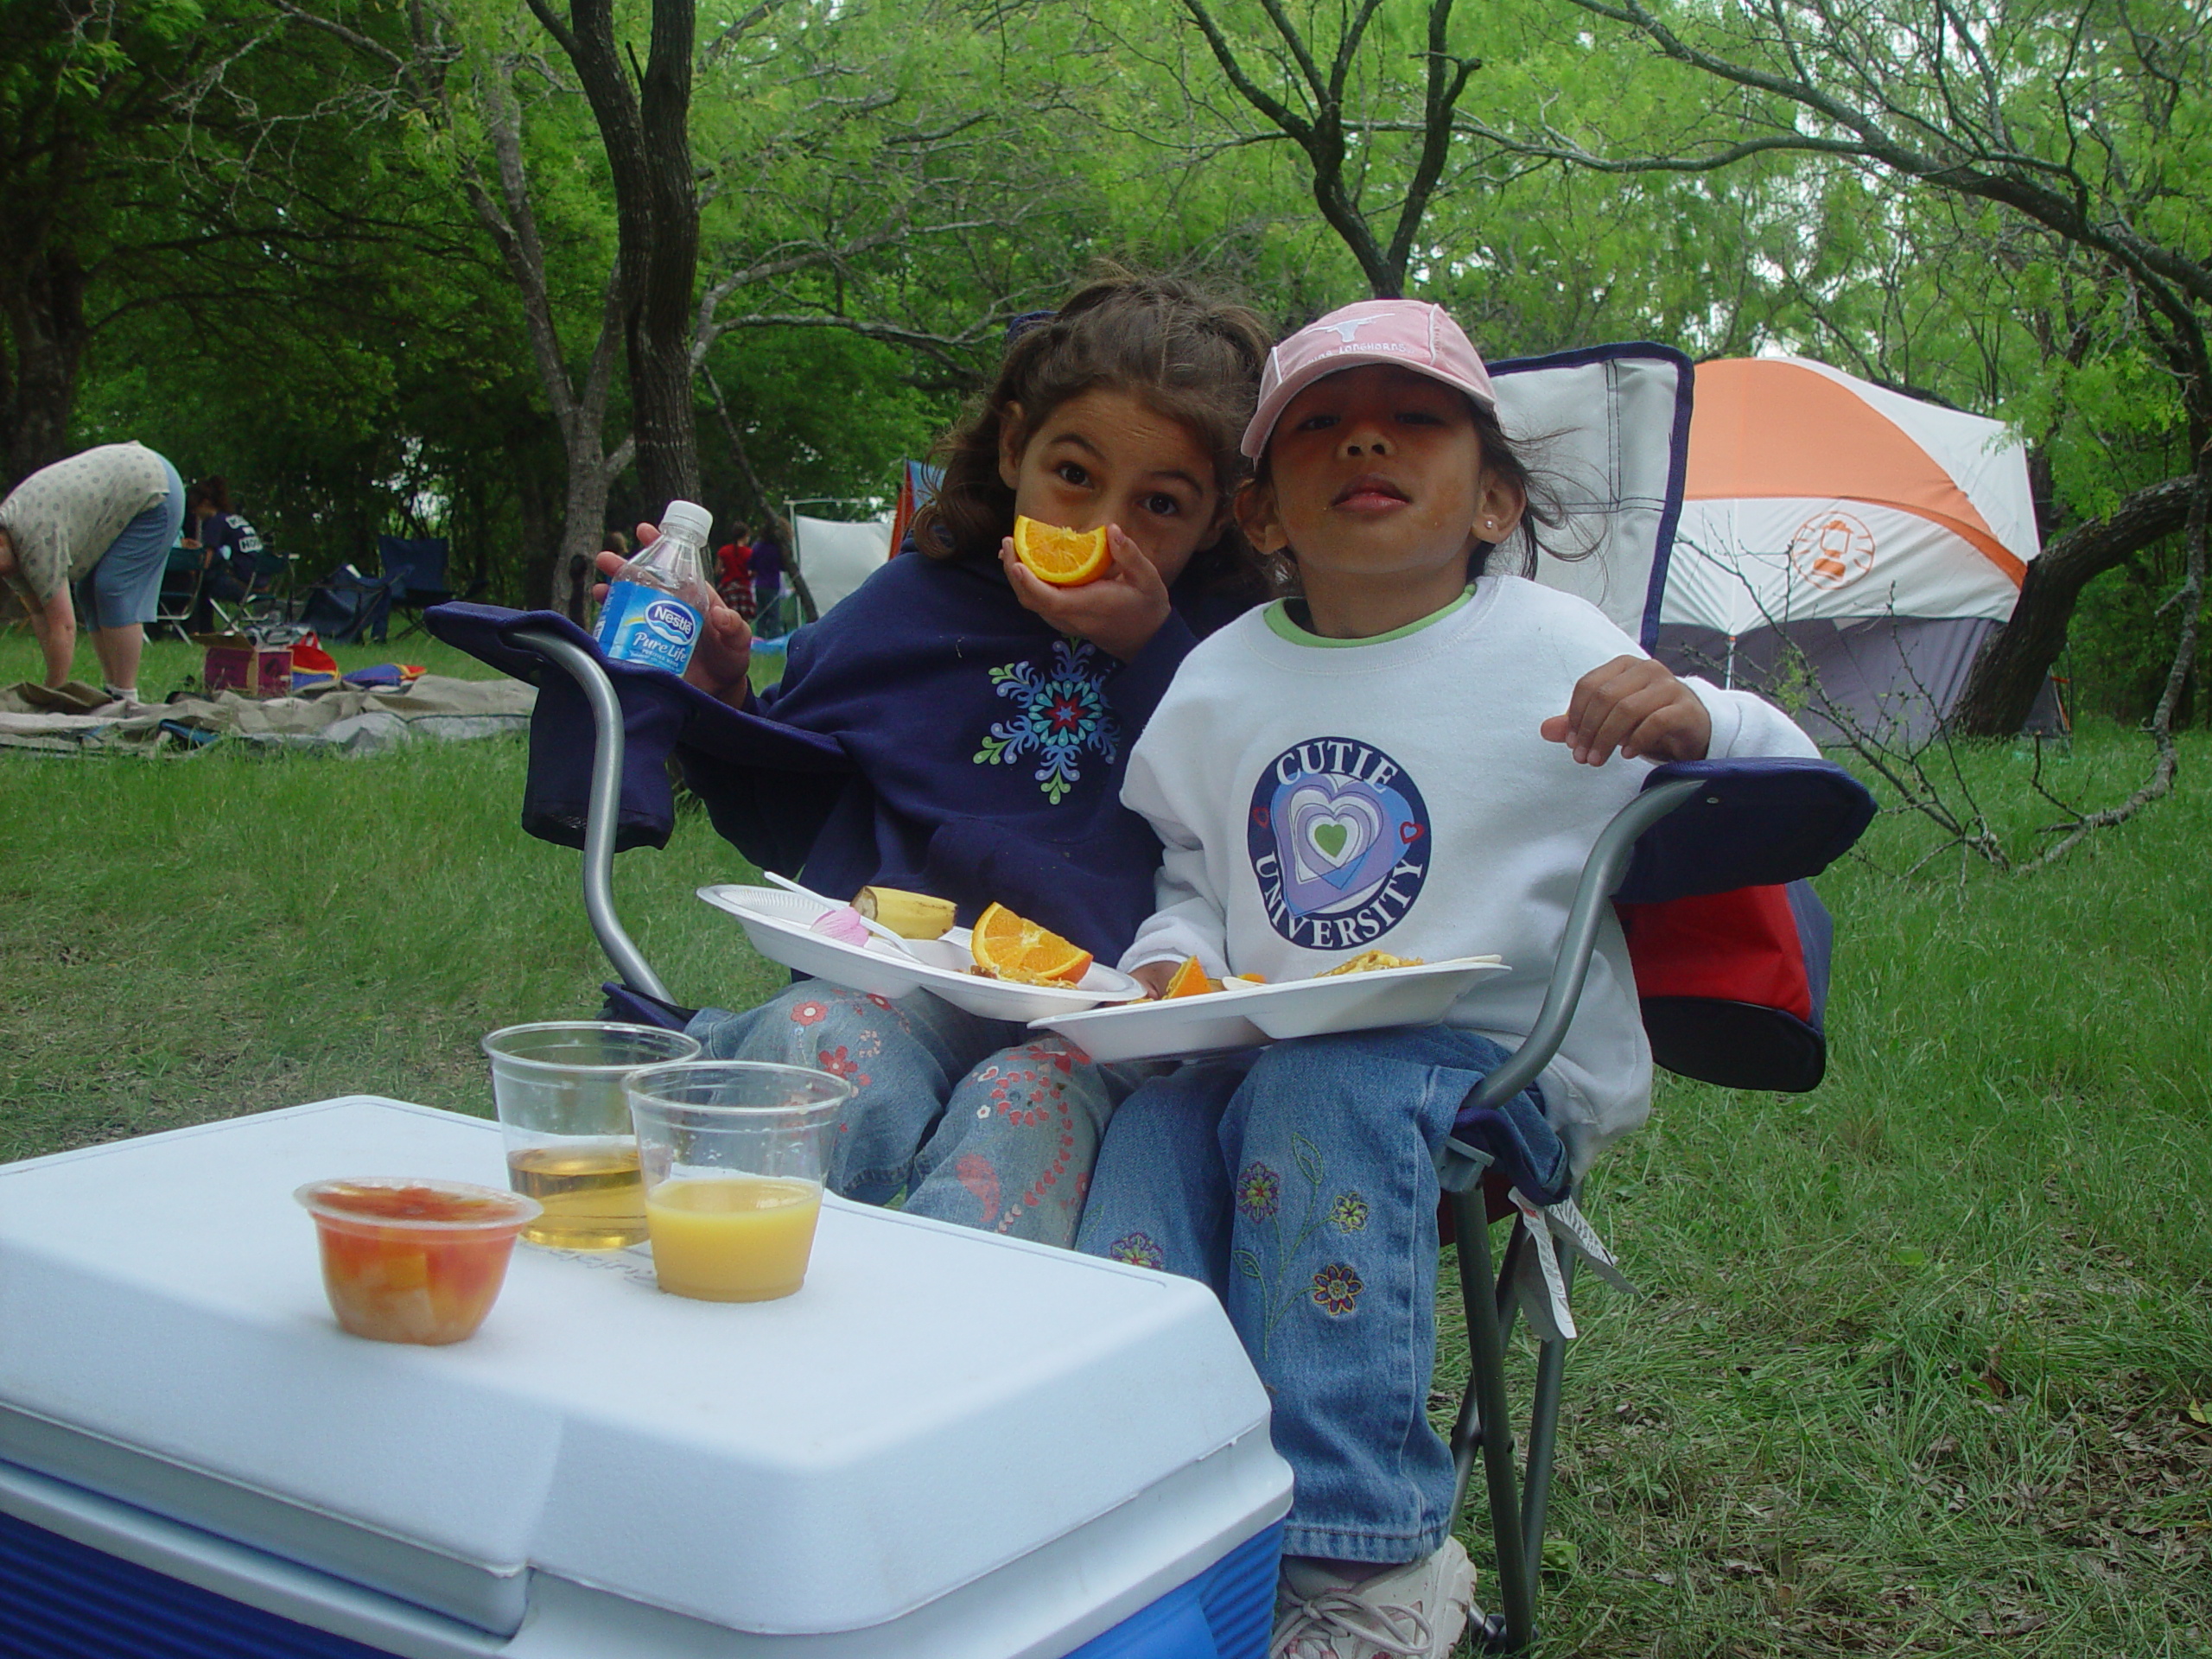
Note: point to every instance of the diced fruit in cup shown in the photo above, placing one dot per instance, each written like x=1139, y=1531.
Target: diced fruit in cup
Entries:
x=1006, y=946
x=415, y=1262
x=1066, y=558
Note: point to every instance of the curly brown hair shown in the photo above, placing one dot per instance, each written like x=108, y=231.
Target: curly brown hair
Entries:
x=1185, y=354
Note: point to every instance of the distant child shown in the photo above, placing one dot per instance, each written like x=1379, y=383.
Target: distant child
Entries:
x=958, y=727
x=1411, y=756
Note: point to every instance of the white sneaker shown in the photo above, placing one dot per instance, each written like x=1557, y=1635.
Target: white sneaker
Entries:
x=1415, y=1612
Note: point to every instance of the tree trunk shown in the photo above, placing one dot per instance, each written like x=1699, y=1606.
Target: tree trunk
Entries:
x=583, y=529
x=2013, y=662
x=43, y=301
x=657, y=222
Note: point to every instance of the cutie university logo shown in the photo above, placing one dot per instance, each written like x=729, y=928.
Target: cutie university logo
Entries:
x=1338, y=839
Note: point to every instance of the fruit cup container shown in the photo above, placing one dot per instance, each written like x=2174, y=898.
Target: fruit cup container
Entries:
x=407, y=1259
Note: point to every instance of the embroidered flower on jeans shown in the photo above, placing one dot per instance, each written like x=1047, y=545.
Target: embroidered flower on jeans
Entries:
x=1137, y=1249
x=810, y=1014
x=1259, y=1189
x=1348, y=1213
x=839, y=1064
x=1337, y=1287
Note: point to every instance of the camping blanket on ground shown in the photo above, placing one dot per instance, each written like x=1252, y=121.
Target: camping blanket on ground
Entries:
x=347, y=721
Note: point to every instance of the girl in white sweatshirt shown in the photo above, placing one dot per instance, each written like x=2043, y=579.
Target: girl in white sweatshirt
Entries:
x=1415, y=756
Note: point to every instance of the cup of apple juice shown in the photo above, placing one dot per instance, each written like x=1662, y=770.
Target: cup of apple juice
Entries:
x=558, y=1088
x=732, y=1153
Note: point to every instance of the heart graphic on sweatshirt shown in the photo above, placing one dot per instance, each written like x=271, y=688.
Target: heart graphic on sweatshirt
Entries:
x=1333, y=823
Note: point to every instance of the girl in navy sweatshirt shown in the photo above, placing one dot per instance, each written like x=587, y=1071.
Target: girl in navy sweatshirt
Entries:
x=980, y=722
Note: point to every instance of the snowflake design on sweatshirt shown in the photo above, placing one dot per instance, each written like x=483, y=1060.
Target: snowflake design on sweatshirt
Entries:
x=1061, y=715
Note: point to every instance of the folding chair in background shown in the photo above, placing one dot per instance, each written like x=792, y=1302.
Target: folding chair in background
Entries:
x=416, y=570
x=1710, y=861
x=180, y=595
x=346, y=607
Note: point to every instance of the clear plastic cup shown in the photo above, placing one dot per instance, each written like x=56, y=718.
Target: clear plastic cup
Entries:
x=409, y=1260
x=558, y=1088
x=733, y=1152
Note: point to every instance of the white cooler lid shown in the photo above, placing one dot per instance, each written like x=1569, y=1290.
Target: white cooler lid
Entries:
x=933, y=1405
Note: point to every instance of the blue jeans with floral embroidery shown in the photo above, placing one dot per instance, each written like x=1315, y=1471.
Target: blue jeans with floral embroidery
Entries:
x=977, y=1122
x=1301, y=1185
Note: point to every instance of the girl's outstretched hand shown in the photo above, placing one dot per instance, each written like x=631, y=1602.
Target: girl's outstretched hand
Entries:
x=722, y=661
x=1631, y=703
x=1119, y=612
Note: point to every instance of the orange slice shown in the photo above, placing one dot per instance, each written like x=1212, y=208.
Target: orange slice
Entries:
x=1190, y=980
x=1066, y=558
x=1006, y=947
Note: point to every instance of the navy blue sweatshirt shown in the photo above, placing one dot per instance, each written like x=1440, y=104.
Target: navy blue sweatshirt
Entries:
x=983, y=753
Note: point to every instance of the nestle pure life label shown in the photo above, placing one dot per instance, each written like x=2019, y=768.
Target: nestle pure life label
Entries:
x=645, y=626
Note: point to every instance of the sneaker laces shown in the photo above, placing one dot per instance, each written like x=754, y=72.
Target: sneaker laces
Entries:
x=1390, y=1628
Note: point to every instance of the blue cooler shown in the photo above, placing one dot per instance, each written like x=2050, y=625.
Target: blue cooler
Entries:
x=947, y=1445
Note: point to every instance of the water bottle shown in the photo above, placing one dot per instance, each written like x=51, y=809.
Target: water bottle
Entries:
x=658, y=602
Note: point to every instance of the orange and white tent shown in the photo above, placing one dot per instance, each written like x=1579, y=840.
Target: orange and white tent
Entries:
x=1884, y=537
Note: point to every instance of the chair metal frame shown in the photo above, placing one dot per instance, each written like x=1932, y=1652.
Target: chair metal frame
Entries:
x=177, y=617
x=1519, y=1500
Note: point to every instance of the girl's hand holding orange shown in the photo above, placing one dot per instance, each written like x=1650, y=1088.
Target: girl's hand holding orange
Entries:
x=1119, y=612
x=722, y=664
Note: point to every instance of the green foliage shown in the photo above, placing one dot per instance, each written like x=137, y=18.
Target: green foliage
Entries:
x=310, y=307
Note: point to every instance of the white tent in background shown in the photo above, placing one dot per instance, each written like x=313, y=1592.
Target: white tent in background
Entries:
x=834, y=557
x=1885, y=538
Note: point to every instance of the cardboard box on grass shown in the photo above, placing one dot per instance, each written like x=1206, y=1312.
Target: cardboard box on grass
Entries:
x=235, y=662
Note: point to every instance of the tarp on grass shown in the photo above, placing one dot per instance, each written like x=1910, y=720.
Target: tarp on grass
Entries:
x=346, y=721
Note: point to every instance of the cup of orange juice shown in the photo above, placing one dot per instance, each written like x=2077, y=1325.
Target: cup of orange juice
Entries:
x=732, y=1153
x=406, y=1260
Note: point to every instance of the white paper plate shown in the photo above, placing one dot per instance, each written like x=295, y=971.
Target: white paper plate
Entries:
x=780, y=924
x=1258, y=1013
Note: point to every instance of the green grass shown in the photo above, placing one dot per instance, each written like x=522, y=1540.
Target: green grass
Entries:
x=1915, y=1367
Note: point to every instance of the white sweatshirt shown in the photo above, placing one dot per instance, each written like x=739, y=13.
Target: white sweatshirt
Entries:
x=1319, y=798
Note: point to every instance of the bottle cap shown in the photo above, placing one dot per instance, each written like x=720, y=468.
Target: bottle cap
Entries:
x=688, y=516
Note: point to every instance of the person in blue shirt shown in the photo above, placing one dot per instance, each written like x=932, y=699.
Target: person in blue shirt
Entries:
x=958, y=727
x=227, y=545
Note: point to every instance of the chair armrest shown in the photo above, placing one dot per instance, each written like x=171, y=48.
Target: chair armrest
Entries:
x=1752, y=823
x=1696, y=827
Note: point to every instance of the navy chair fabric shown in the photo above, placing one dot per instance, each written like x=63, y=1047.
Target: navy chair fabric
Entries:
x=659, y=711
x=417, y=567
x=346, y=605
x=1757, y=822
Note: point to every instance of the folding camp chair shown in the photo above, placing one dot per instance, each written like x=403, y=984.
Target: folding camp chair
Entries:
x=346, y=607
x=1745, y=830
x=179, y=599
x=416, y=570
x=1612, y=424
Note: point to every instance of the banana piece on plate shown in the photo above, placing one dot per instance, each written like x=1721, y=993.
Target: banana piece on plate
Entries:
x=910, y=915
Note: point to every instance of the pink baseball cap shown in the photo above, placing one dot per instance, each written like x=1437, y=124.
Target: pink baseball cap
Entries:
x=1411, y=334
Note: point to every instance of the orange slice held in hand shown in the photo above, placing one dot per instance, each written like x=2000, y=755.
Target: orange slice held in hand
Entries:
x=1066, y=558
x=1006, y=947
